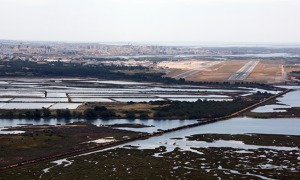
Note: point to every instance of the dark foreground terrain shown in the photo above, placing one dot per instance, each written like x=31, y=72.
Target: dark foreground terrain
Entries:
x=202, y=162
x=44, y=141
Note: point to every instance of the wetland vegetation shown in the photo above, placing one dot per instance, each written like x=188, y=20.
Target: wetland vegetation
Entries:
x=157, y=163
x=45, y=140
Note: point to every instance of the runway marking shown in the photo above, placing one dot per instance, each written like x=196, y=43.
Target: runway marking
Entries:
x=244, y=72
x=194, y=71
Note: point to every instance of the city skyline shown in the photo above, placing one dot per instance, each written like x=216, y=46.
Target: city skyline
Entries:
x=150, y=21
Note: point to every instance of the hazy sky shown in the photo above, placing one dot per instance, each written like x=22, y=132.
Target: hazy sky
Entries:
x=151, y=20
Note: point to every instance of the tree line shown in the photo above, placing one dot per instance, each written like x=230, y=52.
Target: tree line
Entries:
x=206, y=109
x=21, y=68
x=96, y=112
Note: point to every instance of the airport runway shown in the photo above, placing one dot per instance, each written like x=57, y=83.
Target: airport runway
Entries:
x=244, y=72
x=191, y=72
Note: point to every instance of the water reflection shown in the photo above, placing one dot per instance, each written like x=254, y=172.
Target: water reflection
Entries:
x=154, y=125
x=286, y=126
x=289, y=100
x=239, y=125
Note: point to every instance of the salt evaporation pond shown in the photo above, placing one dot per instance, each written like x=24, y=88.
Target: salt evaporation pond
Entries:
x=40, y=99
x=89, y=99
x=35, y=90
x=137, y=99
x=65, y=105
x=21, y=94
x=184, y=99
x=191, y=96
x=108, y=95
x=52, y=95
x=5, y=99
x=290, y=87
x=25, y=105
x=39, y=105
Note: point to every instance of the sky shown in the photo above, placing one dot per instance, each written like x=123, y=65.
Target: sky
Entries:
x=233, y=21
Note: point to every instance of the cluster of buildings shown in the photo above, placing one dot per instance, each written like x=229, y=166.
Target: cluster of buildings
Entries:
x=44, y=52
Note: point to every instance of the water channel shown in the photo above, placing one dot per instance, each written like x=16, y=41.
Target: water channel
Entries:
x=171, y=141
x=239, y=125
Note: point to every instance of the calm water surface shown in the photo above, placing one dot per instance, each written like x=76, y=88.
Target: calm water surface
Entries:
x=289, y=100
x=240, y=125
x=155, y=124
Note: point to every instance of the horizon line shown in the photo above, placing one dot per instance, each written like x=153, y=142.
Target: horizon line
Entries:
x=161, y=43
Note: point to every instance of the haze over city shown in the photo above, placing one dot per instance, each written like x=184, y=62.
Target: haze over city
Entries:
x=247, y=21
x=149, y=89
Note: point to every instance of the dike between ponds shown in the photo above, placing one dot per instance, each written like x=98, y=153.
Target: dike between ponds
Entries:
x=141, y=136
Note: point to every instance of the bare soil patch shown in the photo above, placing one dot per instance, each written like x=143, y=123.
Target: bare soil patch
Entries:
x=220, y=72
x=267, y=71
